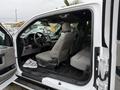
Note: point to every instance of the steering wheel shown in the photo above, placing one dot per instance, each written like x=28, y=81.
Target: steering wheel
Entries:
x=39, y=39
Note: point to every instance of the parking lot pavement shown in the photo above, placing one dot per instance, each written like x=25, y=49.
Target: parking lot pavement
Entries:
x=14, y=87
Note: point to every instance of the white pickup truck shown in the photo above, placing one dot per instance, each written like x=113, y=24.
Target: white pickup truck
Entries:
x=72, y=48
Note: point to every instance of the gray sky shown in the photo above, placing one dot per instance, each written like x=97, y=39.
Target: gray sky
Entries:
x=25, y=8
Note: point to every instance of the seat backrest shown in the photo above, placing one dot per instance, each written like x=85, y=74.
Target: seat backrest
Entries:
x=77, y=44
x=61, y=49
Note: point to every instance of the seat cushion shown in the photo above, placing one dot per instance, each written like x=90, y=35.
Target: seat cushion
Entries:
x=81, y=60
x=44, y=59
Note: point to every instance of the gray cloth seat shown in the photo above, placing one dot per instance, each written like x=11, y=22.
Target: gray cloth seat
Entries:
x=60, y=51
x=47, y=59
x=82, y=59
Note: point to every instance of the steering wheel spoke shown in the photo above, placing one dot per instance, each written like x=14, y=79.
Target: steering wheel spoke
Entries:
x=39, y=39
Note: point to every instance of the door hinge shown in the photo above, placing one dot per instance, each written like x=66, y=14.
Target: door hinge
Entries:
x=101, y=69
x=102, y=85
x=103, y=66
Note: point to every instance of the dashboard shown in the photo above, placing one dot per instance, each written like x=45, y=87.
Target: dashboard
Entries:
x=29, y=39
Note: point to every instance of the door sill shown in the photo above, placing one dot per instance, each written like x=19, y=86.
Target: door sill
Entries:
x=31, y=84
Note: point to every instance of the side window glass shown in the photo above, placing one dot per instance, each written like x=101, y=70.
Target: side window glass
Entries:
x=2, y=38
x=5, y=39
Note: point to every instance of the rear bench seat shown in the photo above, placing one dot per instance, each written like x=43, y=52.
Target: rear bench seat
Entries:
x=82, y=59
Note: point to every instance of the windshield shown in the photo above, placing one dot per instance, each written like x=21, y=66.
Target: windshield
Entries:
x=43, y=27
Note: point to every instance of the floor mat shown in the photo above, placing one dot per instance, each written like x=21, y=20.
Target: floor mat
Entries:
x=64, y=72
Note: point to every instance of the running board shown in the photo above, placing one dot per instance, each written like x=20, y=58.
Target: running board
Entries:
x=29, y=83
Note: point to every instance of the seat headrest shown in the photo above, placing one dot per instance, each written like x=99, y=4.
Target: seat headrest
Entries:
x=66, y=27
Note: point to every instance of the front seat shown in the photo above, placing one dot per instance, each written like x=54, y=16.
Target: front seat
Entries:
x=61, y=50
